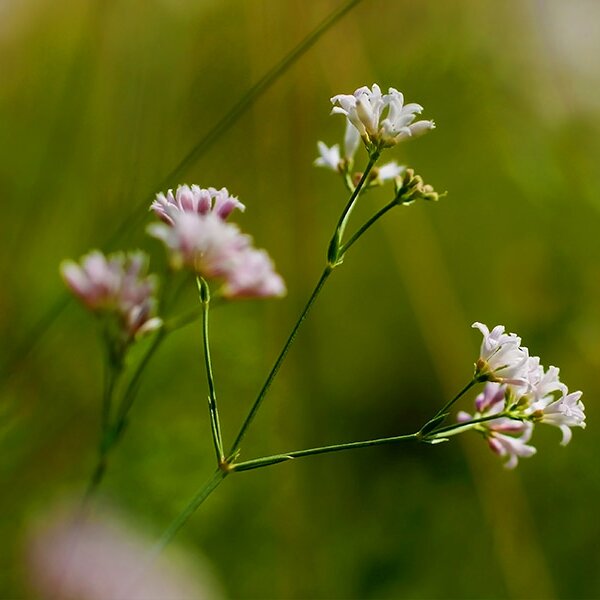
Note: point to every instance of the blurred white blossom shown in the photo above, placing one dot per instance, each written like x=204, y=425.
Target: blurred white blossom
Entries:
x=102, y=558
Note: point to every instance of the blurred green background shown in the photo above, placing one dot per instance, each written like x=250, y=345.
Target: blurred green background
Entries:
x=100, y=99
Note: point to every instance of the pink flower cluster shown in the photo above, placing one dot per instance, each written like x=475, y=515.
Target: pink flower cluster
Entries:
x=195, y=231
x=116, y=285
x=522, y=393
x=194, y=199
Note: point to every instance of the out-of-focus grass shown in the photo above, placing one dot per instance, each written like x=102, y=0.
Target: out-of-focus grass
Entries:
x=99, y=100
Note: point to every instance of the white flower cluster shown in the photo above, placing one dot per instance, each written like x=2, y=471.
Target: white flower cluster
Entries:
x=381, y=120
x=522, y=393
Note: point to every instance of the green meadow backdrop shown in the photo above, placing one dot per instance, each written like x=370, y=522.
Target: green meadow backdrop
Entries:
x=101, y=99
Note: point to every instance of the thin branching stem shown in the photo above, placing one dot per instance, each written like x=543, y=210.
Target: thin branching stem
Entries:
x=345, y=247
x=215, y=425
x=451, y=402
x=278, y=458
x=275, y=369
x=201, y=495
x=343, y=220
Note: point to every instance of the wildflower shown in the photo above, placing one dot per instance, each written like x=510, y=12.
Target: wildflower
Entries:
x=365, y=111
x=329, y=158
x=197, y=200
x=253, y=276
x=215, y=249
x=510, y=446
x=116, y=285
x=501, y=357
x=564, y=413
x=505, y=435
x=504, y=410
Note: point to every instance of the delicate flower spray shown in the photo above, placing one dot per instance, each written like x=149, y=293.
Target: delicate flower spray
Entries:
x=193, y=224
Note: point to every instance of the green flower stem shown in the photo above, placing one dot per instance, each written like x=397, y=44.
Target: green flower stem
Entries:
x=460, y=427
x=367, y=225
x=203, y=493
x=112, y=432
x=348, y=183
x=335, y=244
x=215, y=425
x=111, y=375
x=266, y=461
x=462, y=392
x=133, y=385
x=277, y=458
x=113, y=370
x=267, y=384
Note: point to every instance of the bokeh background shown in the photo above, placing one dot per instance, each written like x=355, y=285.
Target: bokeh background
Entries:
x=99, y=100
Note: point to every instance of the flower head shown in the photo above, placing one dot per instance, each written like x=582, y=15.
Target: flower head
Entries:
x=564, y=413
x=203, y=242
x=382, y=120
x=196, y=200
x=506, y=436
x=519, y=393
x=501, y=357
x=115, y=285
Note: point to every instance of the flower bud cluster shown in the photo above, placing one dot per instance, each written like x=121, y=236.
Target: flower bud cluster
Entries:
x=522, y=393
x=411, y=187
x=116, y=286
x=195, y=231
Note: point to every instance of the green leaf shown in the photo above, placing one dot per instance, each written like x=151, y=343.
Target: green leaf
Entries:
x=431, y=425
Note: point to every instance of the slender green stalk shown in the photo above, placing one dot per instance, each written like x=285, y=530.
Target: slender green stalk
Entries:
x=267, y=384
x=203, y=493
x=343, y=220
x=133, y=385
x=96, y=478
x=215, y=425
x=112, y=433
x=277, y=458
x=460, y=427
x=333, y=257
x=113, y=370
x=462, y=392
x=367, y=225
x=111, y=374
